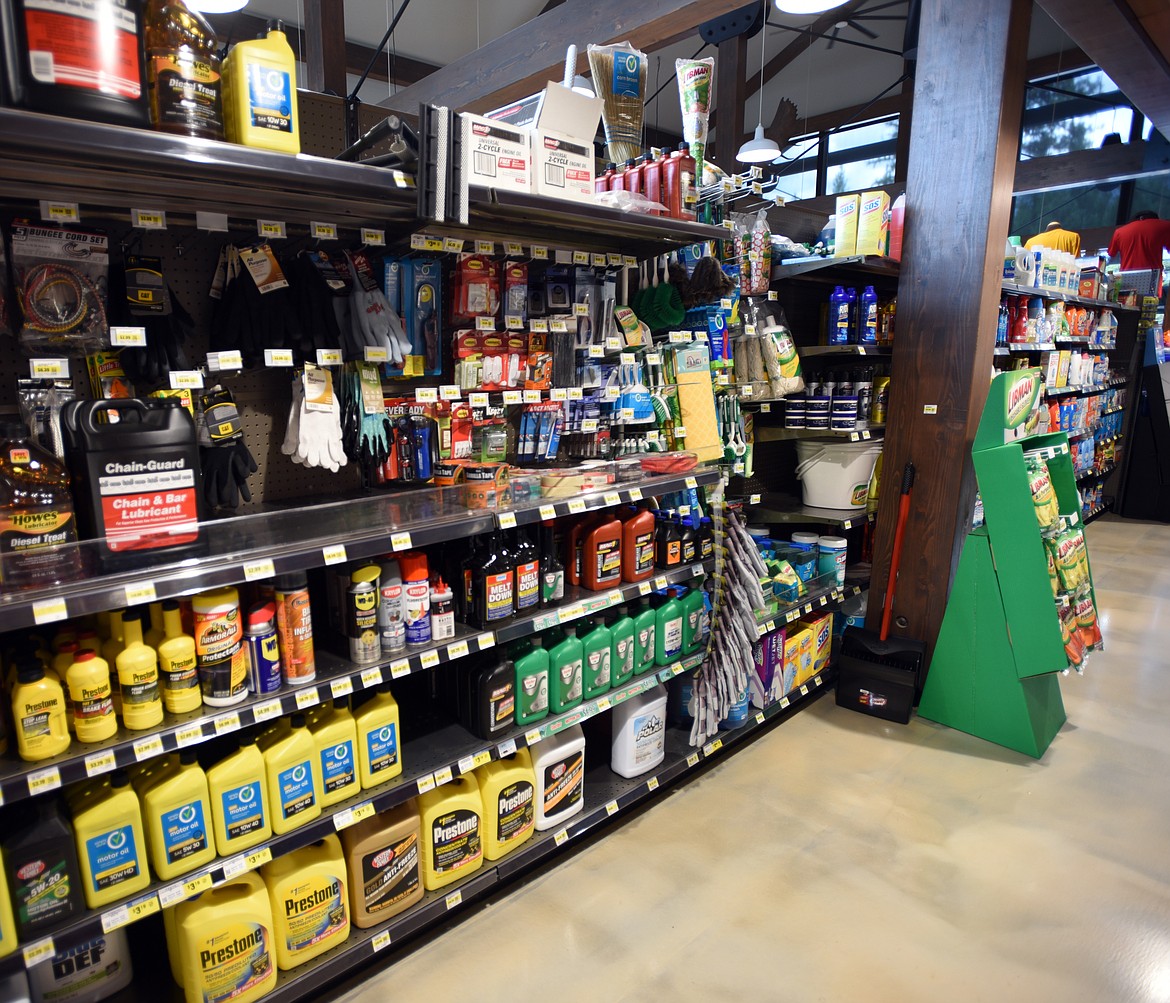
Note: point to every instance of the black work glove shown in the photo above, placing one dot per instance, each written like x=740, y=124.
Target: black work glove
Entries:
x=226, y=469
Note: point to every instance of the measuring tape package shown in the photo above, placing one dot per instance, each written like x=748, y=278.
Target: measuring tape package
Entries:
x=62, y=283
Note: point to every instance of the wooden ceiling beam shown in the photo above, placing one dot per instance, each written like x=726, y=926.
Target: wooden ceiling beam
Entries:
x=522, y=61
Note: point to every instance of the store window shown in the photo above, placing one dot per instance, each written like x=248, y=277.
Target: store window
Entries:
x=862, y=156
x=1079, y=209
x=797, y=176
x=1072, y=111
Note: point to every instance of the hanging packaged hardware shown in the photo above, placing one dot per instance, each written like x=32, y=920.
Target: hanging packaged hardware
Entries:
x=226, y=461
x=136, y=480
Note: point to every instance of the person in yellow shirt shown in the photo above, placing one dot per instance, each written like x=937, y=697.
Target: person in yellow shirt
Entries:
x=1057, y=237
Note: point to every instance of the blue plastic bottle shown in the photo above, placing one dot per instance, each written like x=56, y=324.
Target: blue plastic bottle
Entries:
x=839, y=317
x=854, y=324
x=869, y=316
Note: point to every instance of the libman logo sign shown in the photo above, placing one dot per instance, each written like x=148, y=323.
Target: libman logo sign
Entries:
x=1020, y=398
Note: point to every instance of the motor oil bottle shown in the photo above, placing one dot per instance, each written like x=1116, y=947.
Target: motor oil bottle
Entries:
x=292, y=773
x=552, y=569
x=111, y=845
x=137, y=667
x=361, y=615
x=38, y=714
x=692, y=608
x=82, y=61
x=176, y=810
x=667, y=545
x=382, y=863
x=486, y=698
x=507, y=788
x=637, y=544
x=88, y=679
x=559, y=765
x=416, y=590
x=378, y=739
x=622, y=653
x=310, y=901
x=9, y=938
x=596, y=651
x=565, y=672
x=466, y=593
x=182, y=71
x=601, y=566
x=493, y=586
x=40, y=867
x=452, y=821
x=240, y=815
x=527, y=596
x=532, y=669
x=153, y=636
x=220, y=653
x=706, y=539
x=225, y=943
x=336, y=737
x=87, y=972
x=391, y=607
x=645, y=636
x=575, y=546
x=142, y=775
x=688, y=541
x=639, y=733
x=260, y=93
x=668, y=629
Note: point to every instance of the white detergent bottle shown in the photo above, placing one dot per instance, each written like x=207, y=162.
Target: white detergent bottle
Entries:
x=639, y=733
x=559, y=764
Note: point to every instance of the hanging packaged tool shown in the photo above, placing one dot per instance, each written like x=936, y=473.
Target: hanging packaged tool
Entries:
x=136, y=481
x=225, y=459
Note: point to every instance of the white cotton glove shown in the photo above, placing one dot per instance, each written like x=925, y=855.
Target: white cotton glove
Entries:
x=319, y=439
x=398, y=338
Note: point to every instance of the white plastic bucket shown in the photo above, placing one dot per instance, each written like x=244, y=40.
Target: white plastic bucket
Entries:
x=835, y=474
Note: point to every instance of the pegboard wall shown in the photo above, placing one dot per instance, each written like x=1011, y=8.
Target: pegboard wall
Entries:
x=189, y=258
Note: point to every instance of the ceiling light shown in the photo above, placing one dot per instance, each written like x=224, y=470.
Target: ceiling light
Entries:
x=807, y=6
x=217, y=6
x=759, y=149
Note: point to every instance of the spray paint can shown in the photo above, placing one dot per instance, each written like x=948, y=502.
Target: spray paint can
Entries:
x=391, y=607
x=361, y=615
x=264, y=674
x=294, y=625
x=416, y=588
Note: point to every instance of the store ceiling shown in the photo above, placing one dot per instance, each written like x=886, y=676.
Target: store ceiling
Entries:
x=819, y=80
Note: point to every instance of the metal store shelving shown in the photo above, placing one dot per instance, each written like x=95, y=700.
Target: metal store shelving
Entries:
x=1012, y=289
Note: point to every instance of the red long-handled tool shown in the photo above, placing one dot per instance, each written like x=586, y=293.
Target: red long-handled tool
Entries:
x=877, y=674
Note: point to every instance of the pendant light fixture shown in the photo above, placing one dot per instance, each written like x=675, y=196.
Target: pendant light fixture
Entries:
x=808, y=6
x=759, y=149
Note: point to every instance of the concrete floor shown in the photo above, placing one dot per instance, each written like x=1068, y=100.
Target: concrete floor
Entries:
x=838, y=858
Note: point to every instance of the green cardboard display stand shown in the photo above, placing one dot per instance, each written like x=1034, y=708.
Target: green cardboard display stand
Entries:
x=994, y=670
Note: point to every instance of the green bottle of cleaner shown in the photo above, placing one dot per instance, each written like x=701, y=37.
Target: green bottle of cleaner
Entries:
x=621, y=655
x=552, y=569
x=668, y=629
x=692, y=606
x=532, y=683
x=565, y=672
x=597, y=647
x=645, y=629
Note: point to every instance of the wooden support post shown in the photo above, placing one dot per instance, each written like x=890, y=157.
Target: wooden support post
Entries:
x=961, y=167
x=325, y=55
x=730, y=93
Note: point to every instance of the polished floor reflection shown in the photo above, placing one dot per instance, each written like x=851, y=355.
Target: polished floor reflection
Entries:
x=838, y=858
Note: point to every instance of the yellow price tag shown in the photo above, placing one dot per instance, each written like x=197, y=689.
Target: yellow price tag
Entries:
x=399, y=667
x=400, y=541
x=100, y=762
x=373, y=238
x=533, y=737
x=258, y=858
x=443, y=776
x=548, y=512
x=49, y=611
x=603, y=705
x=577, y=505
x=660, y=582
x=507, y=520
x=454, y=899
x=816, y=680
x=611, y=808
x=341, y=688
x=759, y=717
x=381, y=941
x=804, y=691
x=335, y=554
x=457, y=650
x=193, y=733
x=561, y=837
x=580, y=257
x=146, y=907
x=652, y=784
x=483, y=757
x=429, y=659
x=323, y=231
x=693, y=759
x=60, y=212
x=270, y=228
x=147, y=748
x=43, y=781
x=540, y=253
x=307, y=698
x=265, y=711
x=196, y=885
x=373, y=677
x=38, y=951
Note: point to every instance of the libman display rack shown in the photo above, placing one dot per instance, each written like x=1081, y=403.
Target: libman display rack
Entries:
x=995, y=668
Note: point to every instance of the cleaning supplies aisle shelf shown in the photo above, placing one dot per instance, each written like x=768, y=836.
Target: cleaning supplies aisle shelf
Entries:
x=607, y=797
x=335, y=677
x=433, y=760
x=296, y=539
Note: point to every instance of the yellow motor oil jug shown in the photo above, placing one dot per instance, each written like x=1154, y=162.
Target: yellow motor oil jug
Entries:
x=310, y=903
x=9, y=940
x=292, y=774
x=336, y=737
x=142, y=774
x=80, y=793
x=111, y=846
x=224, y=943
x=38, y=714
x=240, y=814
x=138, y=676
x=88, y=679
x=507, y=788
x=378, y=738
x=452, y=821
x=382, y=861
x=260, y=93
x=176, y=811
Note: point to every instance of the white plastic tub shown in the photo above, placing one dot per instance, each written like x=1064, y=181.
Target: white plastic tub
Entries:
x=835, y=474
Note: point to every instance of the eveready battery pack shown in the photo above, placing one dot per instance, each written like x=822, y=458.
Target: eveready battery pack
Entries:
x=135, y=482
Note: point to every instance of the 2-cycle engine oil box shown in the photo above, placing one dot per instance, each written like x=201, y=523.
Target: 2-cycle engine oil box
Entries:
x=136, y=483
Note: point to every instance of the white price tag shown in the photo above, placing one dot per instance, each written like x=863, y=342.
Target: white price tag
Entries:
x=371, y=677
x=212, y=222
x=680, y=337
x=693, y=760
x=48, y=369
x=580, y=257
x=267, y=711
x=576, y=393
x=485, y=323
x=373, y=238
x=399, y=667
x=307, y=698
x=323, y=231
x=539, y=253
x=271, y=229
x=220, y=362
x=334, y=554
x=97, y=763
x=513, y=397
x=506, y=520
x=192, y=734
x=759, y=717
x=148, y=747
x=773, y=296
x=227, y=723
x=128, y=337
x=381, y=941
x=452, y=245
x=341, y=688
x=558, y=394
x=478, y=399
x=43, y=781
x=635, y=494
x=454, y=899
x=263, y=568
x=60, y=212
x=514, y=322
x=532, y=737
x=185, y=379
x=457, y=649
x=597, y=260
x=531, y=396
x=450, y=392
x=559, y=325
x=376, y=353
x=485, y=247
x=426, y=395
x=429, y=659
x=629, y=261
x=576, y=505
x=443, y=776
x=561, y=837
x=652, y=784
x=611, y=808
x=644, y=588
x=329, y=357
x=548, y=512
x=38, y=951
x=507, y=748
x=400, y=541
x=514, y=250
x=279, y=357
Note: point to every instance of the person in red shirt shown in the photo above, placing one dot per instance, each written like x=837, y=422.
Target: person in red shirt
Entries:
x=1140, y=242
